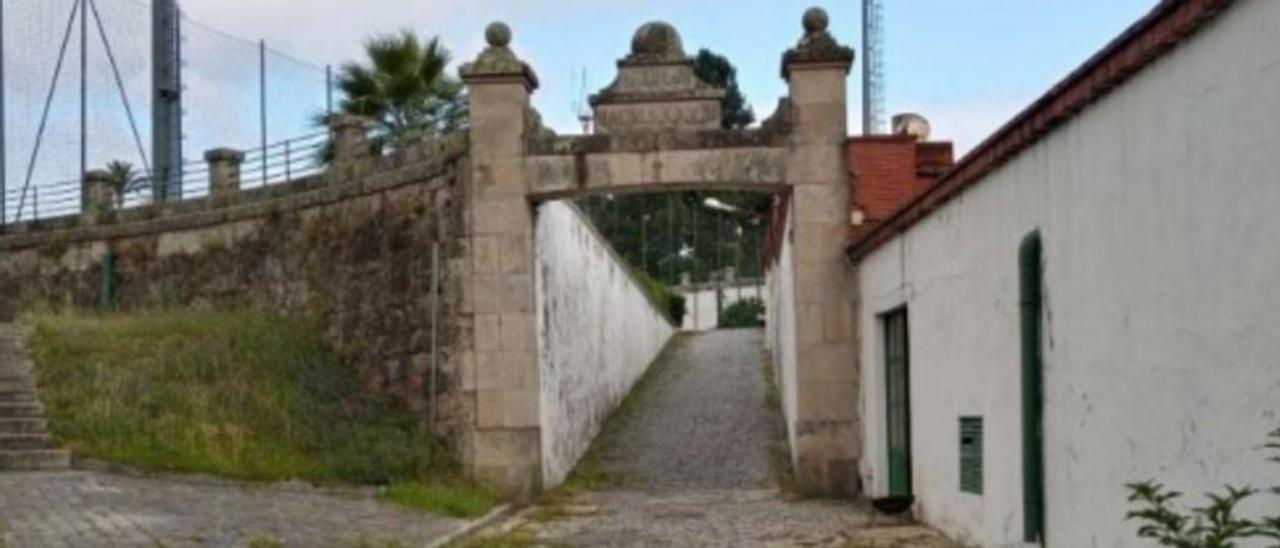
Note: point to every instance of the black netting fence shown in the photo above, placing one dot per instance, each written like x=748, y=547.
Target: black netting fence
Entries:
x=236, y=93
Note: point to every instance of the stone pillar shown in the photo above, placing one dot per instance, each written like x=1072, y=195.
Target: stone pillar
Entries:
x=826, y=428
x=97, y=197
x=224, y=172
x=350, y=136
x=505, y=443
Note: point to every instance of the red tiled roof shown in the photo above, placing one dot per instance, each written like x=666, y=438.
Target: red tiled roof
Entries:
x=1140, y=45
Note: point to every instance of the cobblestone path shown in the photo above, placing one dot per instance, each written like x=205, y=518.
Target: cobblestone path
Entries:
x=696, y=468
x=89, y=509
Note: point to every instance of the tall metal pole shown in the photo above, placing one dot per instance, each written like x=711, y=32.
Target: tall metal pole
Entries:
x=4, y=130
x=262, y=101
x=166, y=100
x=866, y=68
x=84, y=88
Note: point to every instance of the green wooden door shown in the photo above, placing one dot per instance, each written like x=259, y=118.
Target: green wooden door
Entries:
x=898, y=401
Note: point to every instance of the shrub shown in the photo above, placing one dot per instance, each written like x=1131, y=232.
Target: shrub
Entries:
x=1215, y=525
x=745, y=313
x=673, y=303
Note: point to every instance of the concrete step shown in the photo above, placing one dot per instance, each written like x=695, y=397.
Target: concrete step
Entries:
x=15, y=396
x=38, y=460
x=23, y=409
x=20, y=442
x=24, y=425
x=17, y=384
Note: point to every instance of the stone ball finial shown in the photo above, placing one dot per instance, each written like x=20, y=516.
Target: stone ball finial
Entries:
x=657, y=39
x=816, y=20
x=498, y=34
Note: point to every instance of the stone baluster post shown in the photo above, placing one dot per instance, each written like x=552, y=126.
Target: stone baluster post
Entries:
x=97, y=197
x=505, y=441
x=350, y=142
x=826, y=429
x=224, y=172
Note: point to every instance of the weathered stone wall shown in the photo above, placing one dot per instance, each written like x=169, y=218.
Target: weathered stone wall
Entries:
x=354, y=252
x=598, y=332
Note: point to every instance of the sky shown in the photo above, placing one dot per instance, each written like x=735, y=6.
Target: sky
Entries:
x=967, y=65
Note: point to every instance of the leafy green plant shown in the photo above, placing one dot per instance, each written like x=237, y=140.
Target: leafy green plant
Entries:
x=745, y=313
x=1215, y=525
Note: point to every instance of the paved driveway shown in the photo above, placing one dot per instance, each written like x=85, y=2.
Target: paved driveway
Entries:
x=90, y=509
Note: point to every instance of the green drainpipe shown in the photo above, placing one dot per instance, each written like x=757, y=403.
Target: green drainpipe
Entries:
x=1031, y=279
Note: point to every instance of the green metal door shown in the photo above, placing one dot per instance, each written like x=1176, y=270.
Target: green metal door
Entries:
x=1031, y=280
x=898, y=402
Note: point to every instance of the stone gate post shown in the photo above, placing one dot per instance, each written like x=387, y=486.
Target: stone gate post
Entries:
x=505, y=443
x=825, y=428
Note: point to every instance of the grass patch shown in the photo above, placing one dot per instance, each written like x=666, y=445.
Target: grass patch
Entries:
x=457, y=500
x=519, y=537
x=242, y=394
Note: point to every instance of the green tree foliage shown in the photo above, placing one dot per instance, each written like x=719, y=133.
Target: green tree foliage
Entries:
x=404, y=88
x=125, y=180
x=744, y=313
x=1215, y=525
x=715, y=69
x=665, y=235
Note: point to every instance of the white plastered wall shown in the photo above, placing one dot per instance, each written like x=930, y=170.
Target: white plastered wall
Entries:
x=1160, y=211
x=598, y=332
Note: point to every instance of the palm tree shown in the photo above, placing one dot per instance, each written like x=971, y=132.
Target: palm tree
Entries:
x=125, y=180
x=405, y=90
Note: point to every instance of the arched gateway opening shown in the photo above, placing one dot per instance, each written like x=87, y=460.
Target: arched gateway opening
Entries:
x=657, y=130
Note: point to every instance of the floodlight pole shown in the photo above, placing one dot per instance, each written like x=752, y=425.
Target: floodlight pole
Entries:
x=166, y=100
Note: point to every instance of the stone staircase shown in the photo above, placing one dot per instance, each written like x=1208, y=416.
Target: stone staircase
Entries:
x=24, y=439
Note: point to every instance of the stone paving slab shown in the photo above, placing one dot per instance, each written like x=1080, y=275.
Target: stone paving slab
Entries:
x=92, y=509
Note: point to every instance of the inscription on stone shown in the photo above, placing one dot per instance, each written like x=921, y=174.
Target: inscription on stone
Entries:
x=696, y=115
x=656, y=79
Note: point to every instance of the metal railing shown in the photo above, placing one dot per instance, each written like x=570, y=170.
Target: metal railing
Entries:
x=285, y=161
x=49, y=200
x=279, y=163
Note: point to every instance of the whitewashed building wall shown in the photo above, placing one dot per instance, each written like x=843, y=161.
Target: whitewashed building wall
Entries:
x=1160, y=211
x=598, y=332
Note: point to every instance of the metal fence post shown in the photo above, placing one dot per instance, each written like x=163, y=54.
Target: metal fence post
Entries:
x=84, y=88
x=35, y=203
x=262, y=79
x=4, y=165
x=288, y=169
